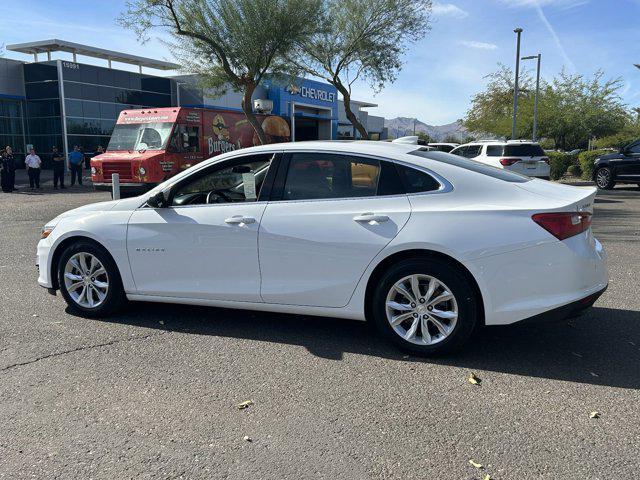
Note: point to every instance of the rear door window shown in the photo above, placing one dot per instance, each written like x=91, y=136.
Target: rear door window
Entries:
x=322, y=176
x=523, y=150
x=495, y=150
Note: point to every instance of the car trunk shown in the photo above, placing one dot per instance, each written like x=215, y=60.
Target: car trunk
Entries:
x=569, y=198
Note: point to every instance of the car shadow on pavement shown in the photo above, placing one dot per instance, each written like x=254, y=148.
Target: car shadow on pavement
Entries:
x=601, y=348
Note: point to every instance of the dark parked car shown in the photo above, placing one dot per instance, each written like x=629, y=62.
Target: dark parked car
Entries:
x=622, y=167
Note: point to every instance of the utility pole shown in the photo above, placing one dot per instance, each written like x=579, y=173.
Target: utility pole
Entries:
x=518, y=32
x=535, y=102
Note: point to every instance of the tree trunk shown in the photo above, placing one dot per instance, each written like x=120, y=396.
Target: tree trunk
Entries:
x=247, y=108
x=346, y=96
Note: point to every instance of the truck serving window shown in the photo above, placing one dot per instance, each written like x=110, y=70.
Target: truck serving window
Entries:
x=141, y=136
x=186, y=138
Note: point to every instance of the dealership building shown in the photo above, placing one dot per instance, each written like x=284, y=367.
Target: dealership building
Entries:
x=48, y=102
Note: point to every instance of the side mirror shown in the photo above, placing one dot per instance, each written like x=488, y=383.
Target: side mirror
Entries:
x=157, y=201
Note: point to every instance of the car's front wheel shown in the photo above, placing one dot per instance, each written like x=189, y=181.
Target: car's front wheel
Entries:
x=425, y=306
x=89, y=280
x=604, y=178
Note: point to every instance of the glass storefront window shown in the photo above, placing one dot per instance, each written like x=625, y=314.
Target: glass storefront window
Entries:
x=42, y=90
x=39, y=72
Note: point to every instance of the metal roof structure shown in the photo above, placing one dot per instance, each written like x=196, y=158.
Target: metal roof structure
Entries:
x=55, y=45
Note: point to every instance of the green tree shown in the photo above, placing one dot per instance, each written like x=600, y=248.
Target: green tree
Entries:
x=491, y=111
x=571, y=109
x=424, y=137
x=362, y=39
x=229, y=43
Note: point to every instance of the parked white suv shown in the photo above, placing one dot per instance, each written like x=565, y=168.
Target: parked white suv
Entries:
x=519, y=156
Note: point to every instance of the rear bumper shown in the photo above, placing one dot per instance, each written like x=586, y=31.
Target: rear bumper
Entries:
x=526, y=283
x=573, y=309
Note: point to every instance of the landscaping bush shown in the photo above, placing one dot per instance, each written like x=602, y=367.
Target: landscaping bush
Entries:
x=559, y=163
x=575, y=170
x=586, y=159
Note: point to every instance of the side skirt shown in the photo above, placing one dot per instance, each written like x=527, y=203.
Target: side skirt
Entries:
x=265, y=307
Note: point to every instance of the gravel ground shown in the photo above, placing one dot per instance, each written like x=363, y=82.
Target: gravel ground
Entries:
x=152, y=393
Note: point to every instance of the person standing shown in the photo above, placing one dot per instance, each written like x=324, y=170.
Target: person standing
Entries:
x=33, y=163
x=58, y=168
x=76, y=159
x=8, y=170
x=3, y=174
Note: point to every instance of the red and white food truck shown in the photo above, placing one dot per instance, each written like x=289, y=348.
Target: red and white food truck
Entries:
x=150, y=145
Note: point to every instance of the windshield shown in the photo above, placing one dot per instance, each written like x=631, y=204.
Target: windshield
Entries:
x=142, y=136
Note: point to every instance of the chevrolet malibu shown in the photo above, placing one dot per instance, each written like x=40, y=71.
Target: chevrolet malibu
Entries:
x=425, y=245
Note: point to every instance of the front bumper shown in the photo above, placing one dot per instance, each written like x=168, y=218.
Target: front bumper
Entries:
x=43, y=264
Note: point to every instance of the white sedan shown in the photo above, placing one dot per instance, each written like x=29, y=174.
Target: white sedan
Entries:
x=426, y=245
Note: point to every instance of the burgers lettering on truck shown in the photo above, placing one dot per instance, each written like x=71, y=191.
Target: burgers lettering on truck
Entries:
x=148, y=146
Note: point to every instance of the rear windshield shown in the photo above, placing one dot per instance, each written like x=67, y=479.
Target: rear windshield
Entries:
x=472, y=165
x=524, y=150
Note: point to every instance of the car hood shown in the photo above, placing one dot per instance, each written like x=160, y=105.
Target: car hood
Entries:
x=610, y=156
x=124, y=204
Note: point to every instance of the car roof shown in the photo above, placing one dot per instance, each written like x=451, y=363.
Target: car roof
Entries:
x=364, y=147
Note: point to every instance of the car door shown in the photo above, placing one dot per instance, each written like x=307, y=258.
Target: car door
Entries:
x=204, y=243
x=628, y=167
x=329, y=216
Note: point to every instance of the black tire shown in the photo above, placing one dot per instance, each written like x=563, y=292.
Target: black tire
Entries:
x=115, y=296
x=604, y=178
x=457, y=283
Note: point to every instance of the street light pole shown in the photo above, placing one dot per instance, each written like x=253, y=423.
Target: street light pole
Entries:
x=535, y=102
x=518, y=32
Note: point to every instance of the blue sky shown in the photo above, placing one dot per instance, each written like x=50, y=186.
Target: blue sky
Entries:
x=441, y=73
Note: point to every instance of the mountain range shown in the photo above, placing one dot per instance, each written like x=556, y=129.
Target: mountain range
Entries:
x=401, y=126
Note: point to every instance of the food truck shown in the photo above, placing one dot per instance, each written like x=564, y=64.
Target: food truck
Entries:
x=150, y=145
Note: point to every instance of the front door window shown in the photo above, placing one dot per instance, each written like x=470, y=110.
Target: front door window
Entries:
x=239, y=182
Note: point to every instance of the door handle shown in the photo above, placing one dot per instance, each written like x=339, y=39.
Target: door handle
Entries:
x=239, y=219
x=371, y=217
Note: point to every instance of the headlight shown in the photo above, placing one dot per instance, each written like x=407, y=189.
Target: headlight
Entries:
x=46, y=231
x=93, y=170
x=142, y=170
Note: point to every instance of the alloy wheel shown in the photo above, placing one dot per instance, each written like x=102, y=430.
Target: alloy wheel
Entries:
x=603, y=177
x=86, y=280
x=421, y=309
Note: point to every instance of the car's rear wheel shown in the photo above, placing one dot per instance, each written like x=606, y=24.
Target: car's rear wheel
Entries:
x=89, y=280
x=604, y=178
x=425, y=306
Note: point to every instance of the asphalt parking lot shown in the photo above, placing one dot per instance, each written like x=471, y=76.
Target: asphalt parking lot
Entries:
x=152, y=393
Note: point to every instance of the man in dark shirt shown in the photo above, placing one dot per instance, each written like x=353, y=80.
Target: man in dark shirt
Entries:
x=58, y=168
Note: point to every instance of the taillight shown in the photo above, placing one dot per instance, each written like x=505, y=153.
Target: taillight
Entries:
x=563, y=224
x=507, y=162
x=545, y=160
